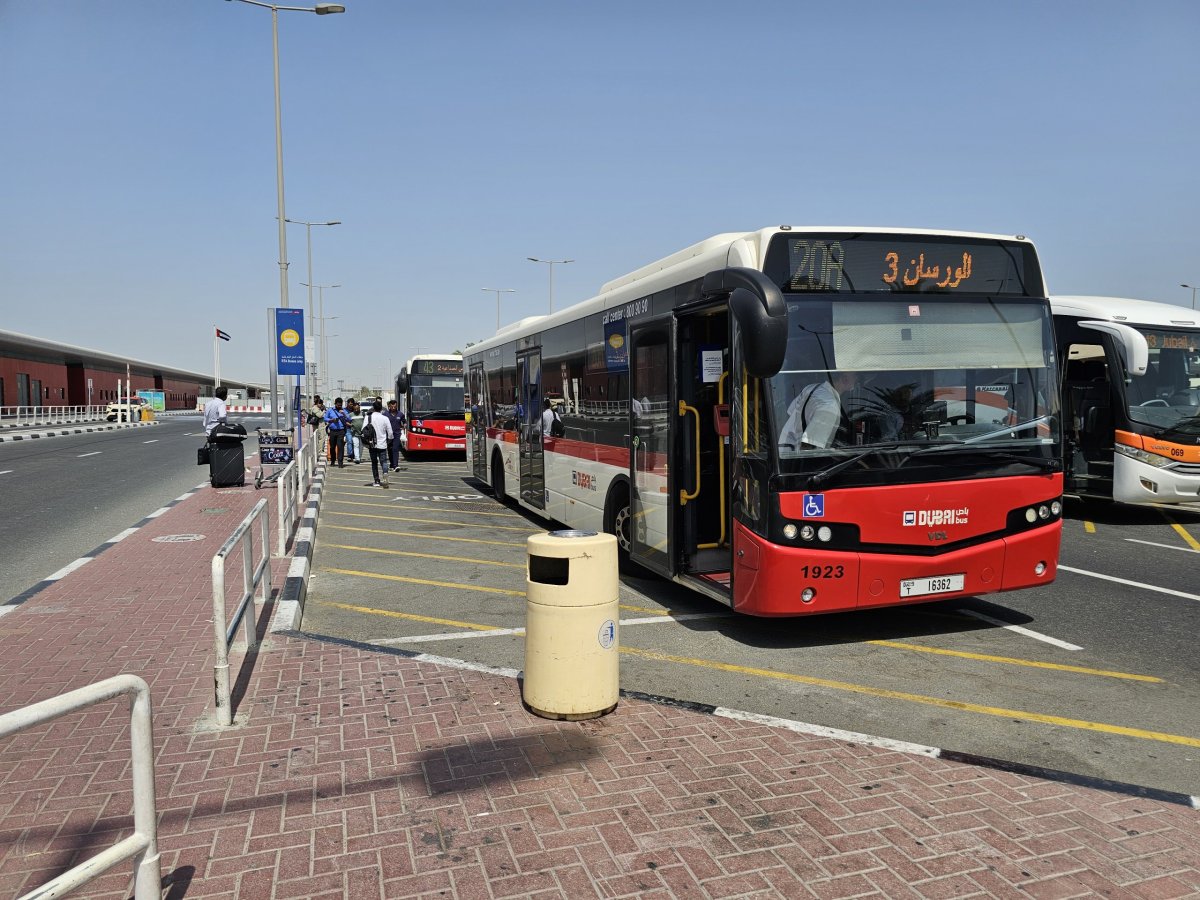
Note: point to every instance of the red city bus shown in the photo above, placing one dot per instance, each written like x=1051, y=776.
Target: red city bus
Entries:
x=429, y=390
x=794, y=420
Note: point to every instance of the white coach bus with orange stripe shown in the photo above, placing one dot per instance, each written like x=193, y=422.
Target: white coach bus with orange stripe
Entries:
x=794, y=420
x=1131, y=398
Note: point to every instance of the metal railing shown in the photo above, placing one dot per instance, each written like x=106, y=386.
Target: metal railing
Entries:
x=291, y=489
x=142, y=845
x=24, y=416
x=253, y=575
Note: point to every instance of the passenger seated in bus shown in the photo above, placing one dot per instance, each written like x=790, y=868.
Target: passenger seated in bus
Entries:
x=816, y=419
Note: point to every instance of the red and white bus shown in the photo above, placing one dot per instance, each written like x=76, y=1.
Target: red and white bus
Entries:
x=689, y=393
x=429, y=390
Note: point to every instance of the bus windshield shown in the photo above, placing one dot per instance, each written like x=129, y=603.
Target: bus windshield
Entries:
x=863, y=371
x=431, y=395
x=1168, y=395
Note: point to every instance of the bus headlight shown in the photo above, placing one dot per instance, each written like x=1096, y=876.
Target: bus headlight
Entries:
x=1055, y=508
x=825, y=534
x=1136, y=453
x=790, y=531
x=807, y=595
x=1031, y=515
x=1043, y=511
x=807, y=532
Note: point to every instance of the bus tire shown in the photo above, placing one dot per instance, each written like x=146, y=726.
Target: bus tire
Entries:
x=617, y=523
x=498, y=477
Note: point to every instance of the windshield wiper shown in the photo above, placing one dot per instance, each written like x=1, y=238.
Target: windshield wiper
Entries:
x=817, y=479
x=1046, y=465
x=1020, y=426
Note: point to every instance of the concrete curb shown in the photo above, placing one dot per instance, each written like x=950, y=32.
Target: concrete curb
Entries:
x=295, y=584
x=34, y=435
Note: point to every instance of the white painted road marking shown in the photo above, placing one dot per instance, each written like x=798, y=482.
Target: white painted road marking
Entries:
x=505, y=632
x=69, y=568
x=6, y=472
x=1137, y=584
x=1131, y=540
x=1036, y=635
x=155, y=441
x=93, y=453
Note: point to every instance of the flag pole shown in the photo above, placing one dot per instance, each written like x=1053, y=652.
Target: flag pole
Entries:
x=216, y=359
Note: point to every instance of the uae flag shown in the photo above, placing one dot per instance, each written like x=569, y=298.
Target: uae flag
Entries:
x=222, y=335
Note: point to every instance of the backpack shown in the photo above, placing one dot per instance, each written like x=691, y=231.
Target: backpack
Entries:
x=368, y=432
x=313, y=419
x=557, y=429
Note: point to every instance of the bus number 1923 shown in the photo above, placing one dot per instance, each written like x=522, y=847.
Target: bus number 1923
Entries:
x=822, y=571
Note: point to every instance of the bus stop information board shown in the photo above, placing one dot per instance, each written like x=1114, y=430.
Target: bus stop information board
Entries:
x=289, y=341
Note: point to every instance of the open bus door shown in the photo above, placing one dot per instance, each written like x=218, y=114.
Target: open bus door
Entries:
x=652, y=423
x=529, y=408
x=477, y=427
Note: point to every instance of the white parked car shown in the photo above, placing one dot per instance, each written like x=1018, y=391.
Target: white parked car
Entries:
x=126, y=412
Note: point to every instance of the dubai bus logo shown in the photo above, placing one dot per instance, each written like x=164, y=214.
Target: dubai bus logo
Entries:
x=934, y=517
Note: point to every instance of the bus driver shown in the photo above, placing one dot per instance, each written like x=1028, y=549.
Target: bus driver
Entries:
x=815, y=417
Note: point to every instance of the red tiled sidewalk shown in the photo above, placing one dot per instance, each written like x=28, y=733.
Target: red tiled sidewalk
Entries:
x=366, y=774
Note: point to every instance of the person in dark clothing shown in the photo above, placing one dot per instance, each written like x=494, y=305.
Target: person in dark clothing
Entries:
x=397, y=420
x=336, y=422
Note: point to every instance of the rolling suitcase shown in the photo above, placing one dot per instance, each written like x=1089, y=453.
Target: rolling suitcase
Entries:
x=226, y=464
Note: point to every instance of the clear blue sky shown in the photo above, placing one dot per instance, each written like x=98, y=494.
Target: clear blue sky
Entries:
x=454, y=139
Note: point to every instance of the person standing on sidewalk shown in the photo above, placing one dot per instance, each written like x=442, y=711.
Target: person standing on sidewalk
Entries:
x=354, y=437
x=396, y=418
x=335, y=425
x=381, y=431
x=215, y=411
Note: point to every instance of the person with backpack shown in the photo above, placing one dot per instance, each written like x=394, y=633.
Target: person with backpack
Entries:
x=336, y=421
x=376, y=436
x=552, y=425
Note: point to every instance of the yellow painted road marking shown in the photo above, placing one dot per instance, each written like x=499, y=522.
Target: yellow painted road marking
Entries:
x=1089, y=527
x=409, y=616
x=919, y=698
x=1017, y=662
x=445, y=584
x=525, y=530
x=430, y=537
x=465, y=512
x=1183, y=533
x=465, y=559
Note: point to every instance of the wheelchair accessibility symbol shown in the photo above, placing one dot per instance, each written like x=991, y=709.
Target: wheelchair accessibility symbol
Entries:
x=814, y=506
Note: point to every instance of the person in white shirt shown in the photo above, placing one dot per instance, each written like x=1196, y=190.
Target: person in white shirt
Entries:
x=379, y=447
x=215, y=411
x=814, y=417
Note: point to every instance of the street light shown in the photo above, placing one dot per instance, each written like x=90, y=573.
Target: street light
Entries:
x=311, y=382
x=321, y=9
x=551, y=263
x=1191, y=288
x=324, y=347
x=498, y=292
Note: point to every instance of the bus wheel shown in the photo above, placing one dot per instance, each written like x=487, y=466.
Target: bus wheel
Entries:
x=498, y=477
x=618, y=522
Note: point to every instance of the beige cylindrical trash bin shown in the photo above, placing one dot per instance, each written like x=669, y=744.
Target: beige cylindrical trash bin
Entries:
x=571, y=625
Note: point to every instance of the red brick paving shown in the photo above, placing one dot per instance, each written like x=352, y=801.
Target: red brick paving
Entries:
x=361, y=774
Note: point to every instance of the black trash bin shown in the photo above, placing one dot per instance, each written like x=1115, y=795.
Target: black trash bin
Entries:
x=226, y=460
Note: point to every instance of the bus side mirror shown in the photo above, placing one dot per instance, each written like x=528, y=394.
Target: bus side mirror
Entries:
x=402, y=382
x=1132, y=344
x=721, y=419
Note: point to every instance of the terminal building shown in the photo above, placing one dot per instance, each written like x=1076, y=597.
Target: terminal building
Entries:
x=35, y=372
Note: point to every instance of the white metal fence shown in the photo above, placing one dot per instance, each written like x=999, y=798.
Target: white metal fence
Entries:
x=253, y=575
x=291, y=488
x=24, y=416
x=142, y=845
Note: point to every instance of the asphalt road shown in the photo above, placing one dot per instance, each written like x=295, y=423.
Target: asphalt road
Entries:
x=1095, y=674
x=65, y=495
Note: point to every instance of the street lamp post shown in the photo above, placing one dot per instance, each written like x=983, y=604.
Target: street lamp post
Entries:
x=498, y=292
x=551, y=263
x=321, y=9
x=1192, y=288
x=323, y=347
x=311, y=382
